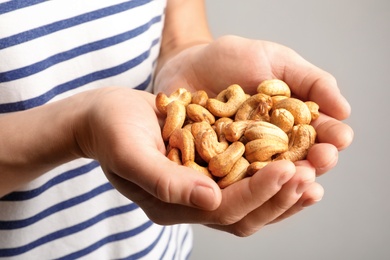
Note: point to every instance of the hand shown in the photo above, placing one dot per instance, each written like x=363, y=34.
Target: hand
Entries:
x=230, y=60
x=121, y=129
x=122, y=132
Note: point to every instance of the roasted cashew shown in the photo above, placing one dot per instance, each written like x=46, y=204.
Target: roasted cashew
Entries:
x=197, y=113
x=234, y=96
x=235, y=130
x=314, y=109
x=221, y=164
x=183, y=140
x=206, y=141
x=219, y=127
x=297, y=108
x=256, y=107
x=162, y=100
x=274, y=87
x=174, y=155
x=255, y=166
x=266, y=131
x=176, y=115
x=197, y=167
x=238, y=172
x=263, y=149
x=301, y=139
x=283, y=119
x=200, y=97
x=276, y=99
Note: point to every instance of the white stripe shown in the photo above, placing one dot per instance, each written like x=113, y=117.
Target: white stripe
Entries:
x=37, y=49
x=101, y=230
x=50, y=197
x=85, y=64
x=47, y=12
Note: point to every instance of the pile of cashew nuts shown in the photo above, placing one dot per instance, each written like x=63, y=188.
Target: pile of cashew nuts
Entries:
x=233, y=135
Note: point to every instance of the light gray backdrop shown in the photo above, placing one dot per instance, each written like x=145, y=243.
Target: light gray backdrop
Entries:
x=351, y=40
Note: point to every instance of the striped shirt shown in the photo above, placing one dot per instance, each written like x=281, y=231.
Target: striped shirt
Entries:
x=53, y=49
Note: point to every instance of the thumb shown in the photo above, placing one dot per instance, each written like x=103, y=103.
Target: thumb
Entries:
x=170, y=182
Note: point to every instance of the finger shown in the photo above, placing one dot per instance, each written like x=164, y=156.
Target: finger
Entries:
x=323, y=157
x=312, y=83
x=242, y=197
x=275, y=206
x=158, y=211
x=170, y=182
x=330, y=130
x=239, y=198
x=310, y=197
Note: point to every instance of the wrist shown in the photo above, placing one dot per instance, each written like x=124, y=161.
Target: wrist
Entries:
x=185, y=25
x=37, y=140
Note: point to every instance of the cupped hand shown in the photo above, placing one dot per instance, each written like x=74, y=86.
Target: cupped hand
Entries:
x=235, y=60
x=122, y=130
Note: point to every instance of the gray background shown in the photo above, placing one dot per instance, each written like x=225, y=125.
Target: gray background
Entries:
x=351, y=40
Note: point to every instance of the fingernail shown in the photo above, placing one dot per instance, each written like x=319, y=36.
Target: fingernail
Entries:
x=203, y=197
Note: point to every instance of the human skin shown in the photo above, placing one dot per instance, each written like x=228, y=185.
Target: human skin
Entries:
x=121, y=128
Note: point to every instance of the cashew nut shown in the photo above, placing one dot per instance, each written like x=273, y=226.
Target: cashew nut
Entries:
x=283, y=119
x=314, y=109
x=302, y=138
x=263, y=149
x=255, y=108
x=197, y=113
x=274, y=87
x=235, y=130
x=162, y=100
x=265, y=130
x=238, y=172
x=174, y=155
x=206, y=141
x=176, y=115
x=276, y=99
x=255, y=166
x=199, y=97
x=221, y=164
x=220, y=126
x=234, y=95
x=183, y=140
x=197, y=167
x=297, y=108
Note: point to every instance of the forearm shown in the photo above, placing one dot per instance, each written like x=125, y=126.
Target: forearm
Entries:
x=35, y=141
x=185, y=25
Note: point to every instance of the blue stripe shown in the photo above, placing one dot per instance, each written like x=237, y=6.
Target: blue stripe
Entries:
x=112, y=238
x=184, y=240
x=64, y=56
x=67, y=231
x=14, y=224
x=148, y=249
x=78, y=82
x=17, y=4
x=67, y=23
x=26, y=195
x=167, y=245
